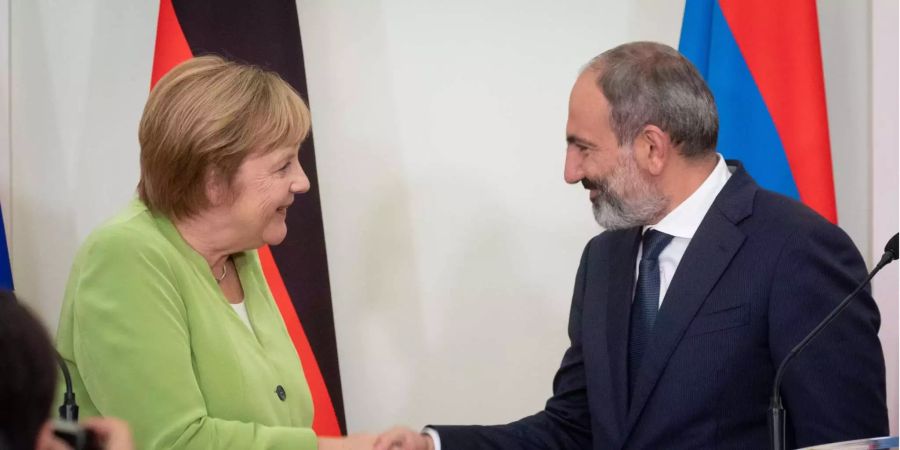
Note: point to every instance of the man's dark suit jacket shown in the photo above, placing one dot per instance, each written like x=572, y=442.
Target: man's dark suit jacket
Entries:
x=761, y=271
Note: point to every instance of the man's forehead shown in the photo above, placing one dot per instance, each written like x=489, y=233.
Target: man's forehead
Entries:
x=587, y=81
x=587, y=102
x=586, y=91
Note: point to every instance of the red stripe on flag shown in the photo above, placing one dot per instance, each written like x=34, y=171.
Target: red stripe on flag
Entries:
x=325, y=422
x=171, y=46
x=780, y=41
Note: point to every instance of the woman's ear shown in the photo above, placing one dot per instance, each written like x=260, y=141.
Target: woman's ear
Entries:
x=216, y=188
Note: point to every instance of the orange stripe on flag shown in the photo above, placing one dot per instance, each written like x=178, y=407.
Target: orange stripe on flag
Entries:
x=171, y=46
x=325, y=422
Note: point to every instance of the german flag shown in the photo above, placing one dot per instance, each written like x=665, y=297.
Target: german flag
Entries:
x=267, y=34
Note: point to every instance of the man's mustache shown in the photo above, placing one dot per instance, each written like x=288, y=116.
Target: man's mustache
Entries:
x=590, y=185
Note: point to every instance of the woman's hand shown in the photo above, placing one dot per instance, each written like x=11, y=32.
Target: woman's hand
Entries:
x=359, y=441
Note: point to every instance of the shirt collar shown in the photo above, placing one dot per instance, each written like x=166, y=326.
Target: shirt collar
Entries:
x=684, y=220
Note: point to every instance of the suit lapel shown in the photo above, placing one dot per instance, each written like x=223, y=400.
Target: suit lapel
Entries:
x=714, y=245
x=620, y=287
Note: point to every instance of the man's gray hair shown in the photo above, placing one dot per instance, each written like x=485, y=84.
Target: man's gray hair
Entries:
x=647, y=83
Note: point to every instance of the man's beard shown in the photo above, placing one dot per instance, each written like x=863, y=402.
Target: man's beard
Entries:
x=625, y=198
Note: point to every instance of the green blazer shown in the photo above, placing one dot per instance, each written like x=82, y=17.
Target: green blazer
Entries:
x=150, y=338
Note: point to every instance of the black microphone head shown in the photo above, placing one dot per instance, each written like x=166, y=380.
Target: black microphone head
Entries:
x=891, y=247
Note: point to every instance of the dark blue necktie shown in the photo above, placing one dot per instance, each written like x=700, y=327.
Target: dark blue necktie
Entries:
x=646, y=301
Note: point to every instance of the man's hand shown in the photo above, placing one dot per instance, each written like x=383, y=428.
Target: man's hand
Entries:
x=402, y=438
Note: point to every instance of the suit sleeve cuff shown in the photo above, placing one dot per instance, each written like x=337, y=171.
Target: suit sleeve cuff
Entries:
x=434, y=437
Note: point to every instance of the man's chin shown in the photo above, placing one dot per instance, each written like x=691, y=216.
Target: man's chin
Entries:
x=610, y=222
x=612, y=226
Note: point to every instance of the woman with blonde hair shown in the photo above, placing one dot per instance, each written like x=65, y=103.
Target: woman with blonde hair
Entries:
x=168, y=322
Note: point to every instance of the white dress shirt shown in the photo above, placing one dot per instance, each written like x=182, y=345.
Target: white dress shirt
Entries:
x=681, y=223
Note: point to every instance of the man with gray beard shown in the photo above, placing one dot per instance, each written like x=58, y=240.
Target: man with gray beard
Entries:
x=699, y=287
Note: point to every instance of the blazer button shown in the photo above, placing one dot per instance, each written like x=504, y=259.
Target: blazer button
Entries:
x=279, y=391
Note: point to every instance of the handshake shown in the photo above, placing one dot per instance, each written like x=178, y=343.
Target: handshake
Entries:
x=397, y=438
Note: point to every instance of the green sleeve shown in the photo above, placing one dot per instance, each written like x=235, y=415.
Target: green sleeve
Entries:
x=131, y=342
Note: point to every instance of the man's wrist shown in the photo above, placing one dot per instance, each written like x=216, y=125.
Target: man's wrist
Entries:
x=433, y=438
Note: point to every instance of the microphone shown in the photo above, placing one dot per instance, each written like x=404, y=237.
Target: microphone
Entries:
x=69, y=409
x=891, y=248
x=776, y=410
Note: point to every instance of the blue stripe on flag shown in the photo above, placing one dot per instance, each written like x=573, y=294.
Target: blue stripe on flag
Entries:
x=746, y=129
x=6, y=281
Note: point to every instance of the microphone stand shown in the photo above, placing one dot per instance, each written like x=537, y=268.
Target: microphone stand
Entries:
x=777, y=416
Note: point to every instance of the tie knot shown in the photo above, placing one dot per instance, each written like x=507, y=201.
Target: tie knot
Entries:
x=654, y=243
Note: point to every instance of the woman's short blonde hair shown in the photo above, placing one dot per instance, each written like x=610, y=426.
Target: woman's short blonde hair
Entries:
x=203, y=118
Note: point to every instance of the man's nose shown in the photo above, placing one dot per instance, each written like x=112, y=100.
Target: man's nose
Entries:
x=573, y=172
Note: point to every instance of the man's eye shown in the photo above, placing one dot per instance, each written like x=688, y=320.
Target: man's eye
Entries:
x=579, y=147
